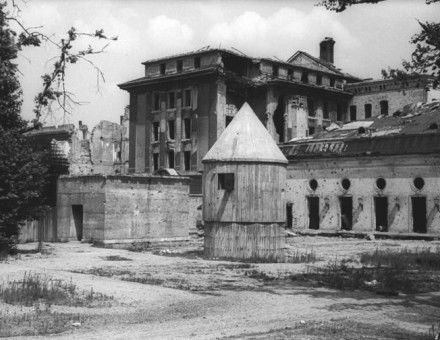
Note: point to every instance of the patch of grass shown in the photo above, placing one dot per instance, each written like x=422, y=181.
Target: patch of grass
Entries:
x=116, y=258
x=40, y=288
x=302, y=257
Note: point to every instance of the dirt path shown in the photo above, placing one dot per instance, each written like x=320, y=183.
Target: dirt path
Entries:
x=215, y=299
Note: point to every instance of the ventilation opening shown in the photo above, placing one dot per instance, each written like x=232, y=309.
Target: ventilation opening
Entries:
x=419, y=183
x=419, y=214
x=313, y=203
x=278, y=119
x=313, y=183
x=381, y=211
x=346, y=204
x=381, y=183
x=226, y=181
x=77, y=213
x=289, y=215
x=346, y=183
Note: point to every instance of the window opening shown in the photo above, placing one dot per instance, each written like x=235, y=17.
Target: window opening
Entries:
x=162, y=69
x=155, y=161
x=171, y=100
x=156, y=131
x=419, y=183
x=78, y=217
x=171, y=159
x=367, y=110
x=313, y=204
x=226, y=181
x=346, y=183
x=187, y=160
x=171, y=132
x=346, y=204
x=353, y=112
x=381, y=183
x=384, y=107
x=197, y=62
x=381, y=212
x=187, y=128
x=419, y=214
x=179, y=65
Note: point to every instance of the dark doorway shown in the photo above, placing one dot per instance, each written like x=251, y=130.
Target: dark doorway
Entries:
x=313, y=203
x=346, y=204
x=289, y=215
x=278, y=118
x=381, y=211
x=77, y=212
x=419, y=214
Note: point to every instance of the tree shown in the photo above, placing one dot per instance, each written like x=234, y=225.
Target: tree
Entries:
x=26, y=173
x=425, y=60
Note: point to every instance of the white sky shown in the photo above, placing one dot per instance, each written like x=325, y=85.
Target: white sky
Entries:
x=368, y=38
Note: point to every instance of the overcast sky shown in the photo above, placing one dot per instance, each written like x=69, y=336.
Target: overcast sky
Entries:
x=368, y=38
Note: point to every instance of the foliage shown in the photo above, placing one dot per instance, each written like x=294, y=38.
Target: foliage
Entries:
x=425, y=59
x=22, y=171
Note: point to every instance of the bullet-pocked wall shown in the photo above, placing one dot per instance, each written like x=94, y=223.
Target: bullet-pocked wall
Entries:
x=395, y=194
x=123, y=209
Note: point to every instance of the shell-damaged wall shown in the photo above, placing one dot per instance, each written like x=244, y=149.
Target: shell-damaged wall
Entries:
x=399, y=173
x=123, y=209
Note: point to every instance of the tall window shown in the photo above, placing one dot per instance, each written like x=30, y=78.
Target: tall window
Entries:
x=384, y=107
x=319, y=79
x=275, y=70
x=197, y=62
x=332, y=82
x=353, y=112
x=228, y=119
x=339, y=112
x=188, y=99
x=171, y=130
x=155, y=131
x=179, y=65
x=162, y=68
x=171, y=100
x=311, y=107
x=155, y=161
x=171, y=159
x=304, y=77
x=367, y=110
x=187, y=160
x=156, y=101
x=325, y=111
x=187, y=128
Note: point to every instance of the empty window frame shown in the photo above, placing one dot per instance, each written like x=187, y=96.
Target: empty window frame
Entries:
x=162, y=68
x=155, y=161
x=319, y=79
x=156, y=131
x=226, y=181
x=418, y=204
x=289, y=215
x=311, y=130
x=187, y=128
x=305, y=77
x=339, y=112
x=325, y=111
x=171, y=159
x=179, y=65
x=171, y=100
x=353, y=112
x=384, y=107
x=313, y=205
x=197, y=62
x=187, y=160
x=156, y=101
x=346, y=205
x=332, y=82
x=368, y=110
x=381, y=212
x=311, y=107
x=188, y=97
x=275, y=70
x=171, y=129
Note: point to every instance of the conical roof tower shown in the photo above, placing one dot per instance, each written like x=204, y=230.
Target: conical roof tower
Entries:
x=245, y=139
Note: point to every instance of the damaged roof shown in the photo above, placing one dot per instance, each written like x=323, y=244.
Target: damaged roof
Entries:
x=245, y=139
x=412, y=130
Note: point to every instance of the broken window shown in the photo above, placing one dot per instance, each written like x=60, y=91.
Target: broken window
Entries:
x=187, y=160
x=367, y=110
x=187, y=128
x=275, y=70
x=156, y=100
x=319, y=79
x=226, y=181
x=162, y=68
x=278, y=118
x=384, y=107
x=289, y=215
x=353, y=112
x=419, y=214
x=305, y=77
x=171, y=159
x=155, y=161
x=188, y=99
x=325, y=111
x=179, y=65
x=171, y=100
x=197, y=62
x=313, y=204
x=155, y=131
x=381, y=212
x=171, y=132
x=346, y=204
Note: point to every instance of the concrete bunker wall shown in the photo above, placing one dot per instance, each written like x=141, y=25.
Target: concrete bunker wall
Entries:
x=363, y=173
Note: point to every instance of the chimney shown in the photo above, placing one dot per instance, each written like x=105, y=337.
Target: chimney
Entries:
x=326, y=50
x=80, y=123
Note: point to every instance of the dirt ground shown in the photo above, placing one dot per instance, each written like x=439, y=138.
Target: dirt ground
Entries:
x=175, y=293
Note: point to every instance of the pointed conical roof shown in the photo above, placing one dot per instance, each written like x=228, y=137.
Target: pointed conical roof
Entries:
x=245, y=139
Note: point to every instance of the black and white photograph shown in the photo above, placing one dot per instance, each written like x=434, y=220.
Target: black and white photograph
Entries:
x=220, y=169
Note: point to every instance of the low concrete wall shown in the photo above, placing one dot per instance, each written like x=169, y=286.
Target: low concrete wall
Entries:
x=123, y=209
x=30, y=229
